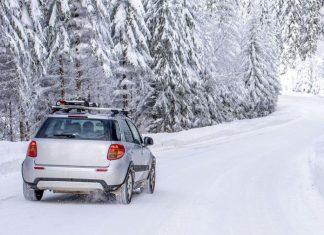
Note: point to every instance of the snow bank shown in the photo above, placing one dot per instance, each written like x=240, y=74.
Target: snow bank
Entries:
x=317, y=164
x=225, y=131
x=11, y=156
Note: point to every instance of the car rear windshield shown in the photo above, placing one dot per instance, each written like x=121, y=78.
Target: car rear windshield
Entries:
x=79, y=128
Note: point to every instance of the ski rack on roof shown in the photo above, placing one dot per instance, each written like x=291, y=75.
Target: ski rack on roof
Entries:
x=84, y=103
x=81, y=105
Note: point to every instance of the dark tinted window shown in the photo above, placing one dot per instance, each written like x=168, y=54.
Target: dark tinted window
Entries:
x=127, y=131
x=76, y=128
x=135, y=132
x=116, y=130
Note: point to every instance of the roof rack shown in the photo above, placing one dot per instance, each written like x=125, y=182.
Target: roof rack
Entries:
x=82, y=102
x=80, y=105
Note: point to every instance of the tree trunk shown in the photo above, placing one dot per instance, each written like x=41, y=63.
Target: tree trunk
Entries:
x=22, y=127
x=11, y=134
x=125, y=96
x=61, y=73
x=78, y=79
x=78, y=82
x=27, y=137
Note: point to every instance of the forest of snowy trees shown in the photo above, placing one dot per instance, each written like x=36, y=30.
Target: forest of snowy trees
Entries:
x=177, y=64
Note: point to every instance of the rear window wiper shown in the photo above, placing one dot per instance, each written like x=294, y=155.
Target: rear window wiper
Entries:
x=68, y=135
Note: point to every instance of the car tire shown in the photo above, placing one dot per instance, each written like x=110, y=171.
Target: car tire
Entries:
x=125, y=192
x=32, y=194
x=150, y=184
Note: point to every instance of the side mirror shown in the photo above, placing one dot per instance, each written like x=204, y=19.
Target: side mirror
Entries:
x=148, y=141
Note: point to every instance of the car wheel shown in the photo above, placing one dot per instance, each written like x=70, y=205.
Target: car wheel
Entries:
x=150, y=185
x=125, y=193
x=32, y=194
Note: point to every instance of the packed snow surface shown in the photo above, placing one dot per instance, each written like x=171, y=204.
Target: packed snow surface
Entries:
x=253, y=177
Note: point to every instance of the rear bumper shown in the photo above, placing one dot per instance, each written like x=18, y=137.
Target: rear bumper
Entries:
x=71, y=185
x=73, y=179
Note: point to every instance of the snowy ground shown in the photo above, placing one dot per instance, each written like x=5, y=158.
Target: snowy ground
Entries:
x=253, y=177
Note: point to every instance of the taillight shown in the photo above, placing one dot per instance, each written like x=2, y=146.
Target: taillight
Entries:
x=32, y=149
x=39, y=168
x=116, y=151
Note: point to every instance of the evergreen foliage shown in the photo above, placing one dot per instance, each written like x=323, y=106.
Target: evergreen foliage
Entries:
x=177, y=64
x=261, y=76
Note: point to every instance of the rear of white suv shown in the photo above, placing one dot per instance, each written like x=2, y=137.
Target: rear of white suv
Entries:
x=82, y=153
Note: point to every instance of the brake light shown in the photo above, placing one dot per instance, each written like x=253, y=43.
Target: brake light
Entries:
x=116, y=151
x=32, y=149
x=101, y=170
x=39, y=168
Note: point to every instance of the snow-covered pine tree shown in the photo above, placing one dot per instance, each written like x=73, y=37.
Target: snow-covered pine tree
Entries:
x=193, y=68
x=8, y=90
x=260, y=66
x=55, y=83
x=101, y=42
x=311, y=27
x=227, y=35
x=48, y=45
x=168, y=105
x=222, y=39
x=290, y=16
x=33, y=21
x=102, y=47
x=88, y=59
x=22, y=29
x=309, y=74
x=130, y=35
x=206, y=30
x=89, y=23
x=15, y=42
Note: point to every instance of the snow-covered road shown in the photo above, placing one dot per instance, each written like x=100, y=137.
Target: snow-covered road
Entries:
x=248, y=177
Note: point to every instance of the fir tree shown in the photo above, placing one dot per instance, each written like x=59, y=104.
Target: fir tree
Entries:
x=260, y=68
x=311, y=27
x=291, y=23
x=9, y=94
x=308, y=76
x=130, y=34
x=227, y=36
x=168, y=106
x=21, y=25
x=193, y=70
x=55, y=83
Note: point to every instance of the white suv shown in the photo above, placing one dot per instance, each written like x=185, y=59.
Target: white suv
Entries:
x=76, y=151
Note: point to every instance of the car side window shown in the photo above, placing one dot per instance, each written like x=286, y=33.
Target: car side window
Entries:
x=127, y=132
x=115, y=131
x=136, y=134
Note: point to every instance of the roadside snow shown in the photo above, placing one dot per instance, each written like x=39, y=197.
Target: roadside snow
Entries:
x=317, y=164
x=12, y=151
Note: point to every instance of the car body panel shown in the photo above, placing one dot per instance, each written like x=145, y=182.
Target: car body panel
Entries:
x=114, y=175
x=71, y=152
x=69, y=186
x=147, y=160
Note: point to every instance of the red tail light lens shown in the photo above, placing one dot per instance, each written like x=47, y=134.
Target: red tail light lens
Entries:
x=116, y=151
x=32, y=149
x=39, y=168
